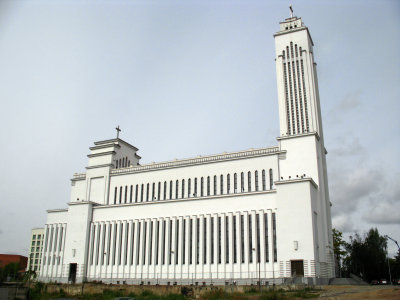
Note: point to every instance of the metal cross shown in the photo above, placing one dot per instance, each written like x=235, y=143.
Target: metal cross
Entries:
x=118, y=130
x=291, y=10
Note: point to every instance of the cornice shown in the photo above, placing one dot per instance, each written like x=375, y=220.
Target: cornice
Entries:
x=101, y=154
x=288, y=181
x=115, y=141
x=100, y=166
x=104, y=146
x=57, y=210
x=286, y=137
x=198, y=160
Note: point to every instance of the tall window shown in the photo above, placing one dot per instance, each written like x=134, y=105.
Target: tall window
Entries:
x=157, y=239
x=221, y=184
x=147, y=192
x=250, y=240
x=201, y=187
x=153, y=191
x=115, y=195
x=264, y=184
x=176, y=189
x=183, y=188
x=176, y=241
x=150, y=242
x=271, y=179
x=197, y=240
x=165, y=190
x=258, y=236
x=189, y=187
x=212, y=240
x=249, y=181
x=144, y=242
x=195, y=187
x=242, y=182
x=170, y=243
x=204, y=240
x=226, y=239
x=184, y=242
x=190, y=241
x=219, y=239
x=170, y=189
x=126, y=194
x=215, y=184
x=136, y=193
x=132, y=242
x=274, y=236
x=138, y=243
x=266, y=237
x=256, y=179
x=228, y=183
x=130, y=194
x=208, y=185
x=159, y=191
x=234, y=241
x=235, y=183
x=163, y=242
x=141, y=193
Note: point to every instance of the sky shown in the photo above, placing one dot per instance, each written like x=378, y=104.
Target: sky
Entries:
x=188, y=78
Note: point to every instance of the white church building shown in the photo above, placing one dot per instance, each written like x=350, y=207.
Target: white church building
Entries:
x=232, y=218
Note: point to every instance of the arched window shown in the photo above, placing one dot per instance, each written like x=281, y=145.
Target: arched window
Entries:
x=130, y=195
x=202, y=187
x=147, y=192
x=222, y=184
x=153, y=192
x=159, y=191
x=165, y=190
x=183, y=188
x=249, y=181
x=141, y=193
x=115, y=195
x=271, y=179
x=256, y=178
x=189, y=187
x=170, y=189
x=242, y=182
x=215, y=184
x=136, y=193
x=264, y=184
x=228, y=183
x=120, y=194
x=195, y=187
x=235, y=183
x=208, y=185
x=176, y=189
x=126, y=194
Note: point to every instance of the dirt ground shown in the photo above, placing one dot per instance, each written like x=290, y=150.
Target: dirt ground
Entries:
x=339, y=292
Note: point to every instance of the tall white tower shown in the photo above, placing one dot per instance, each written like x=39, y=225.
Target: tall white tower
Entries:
x=301, y=133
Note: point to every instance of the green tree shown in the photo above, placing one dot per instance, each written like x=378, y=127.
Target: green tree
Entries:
x=338, y=248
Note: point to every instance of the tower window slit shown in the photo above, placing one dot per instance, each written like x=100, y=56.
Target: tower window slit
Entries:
x=235, y=183
x=219, y=239
x=215, y=184
x=271, y=179
x=226, y=239
x=170, y=190
x=202, y=186
x=183, y=188
x=197, y=240
x=266, y=237
x=250, y=239
x=228, y=183
x=144, y=242
x=176, y=189
x=159, y=191
x=212, y=240
x=141, y=193
x=165, y=191
x=115, y=195
x=204, y=240
x=147, y=192
x=126, y=194
x=150, y=242
x=190, y=241
x=153, y=191
x=274, y=236
x=258, y=237
x=170, y=243
x=163, y=243
x=136, y=193
x=208, y=185
x=156, y=241
x=242, y=238
x=189, y=187
x=184, y=241
x=130, y=194
x=242, y=182
x=120, y=194
x=234, y=240
x=221, y=184
x=176, y=241
x=249, y=181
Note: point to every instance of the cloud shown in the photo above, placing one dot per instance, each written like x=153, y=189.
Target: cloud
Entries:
x=343, y=223
x=349, y=102
x=348, y=146
x=1, y=231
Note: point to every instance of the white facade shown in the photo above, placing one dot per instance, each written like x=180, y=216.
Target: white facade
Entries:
x=36, y=248
x=213, y=219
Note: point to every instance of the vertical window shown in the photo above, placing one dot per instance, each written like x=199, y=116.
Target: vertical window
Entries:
x=215, y=184
x=115, y=195
x=212, y=240
x=249, y=181
x=183, y=188
x=132, y=241
x=136, y=193
x=159, y=191
x=129, y=163
x=170, y=243
x=227, y=239
x=115, y=243
x=141, y=193
x=120, y=194
x=195, y=187
x=258, y=236
x=274, y=236
x=163, y=243
x=190, y=241
x=271, y=179
x=150, y=242
x=144, y=242
x=228, y=183
x=147, y=192
x=176, y=189
x=138, y=244
x=153, y=191
x=234, y=241
x=116, y=164
x=156, y=240
x=264, y=184
x=266, y=237
x=250, y=239
x=121, y=229
x=235, y=183
x=242, y=182
x=219, y=240
x=256, y=179
x=201, y=187
x=176, y=241
x=204, y=240
x=170, y=189
x=126, y=194
x=197, y=240
x=130, y=194
x=208, y=185
x=109, y=243
x=184, y=241
x=221, y=184
x=189, y=187
x=165, y=190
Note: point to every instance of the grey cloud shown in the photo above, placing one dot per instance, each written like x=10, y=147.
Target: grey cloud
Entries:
x=348, y=146
x=343, y=223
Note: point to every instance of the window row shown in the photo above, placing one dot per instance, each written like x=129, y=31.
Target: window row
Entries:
x=197, y=187
x=197, y=240
x=122, y=163
x=54, y=240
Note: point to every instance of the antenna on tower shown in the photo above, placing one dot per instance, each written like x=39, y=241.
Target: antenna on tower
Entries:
x=291, y=10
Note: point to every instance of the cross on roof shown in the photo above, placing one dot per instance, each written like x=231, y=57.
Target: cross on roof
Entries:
x=118, y=131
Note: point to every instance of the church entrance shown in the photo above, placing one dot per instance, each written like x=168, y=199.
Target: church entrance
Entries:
x=72, y=273
x=297, y=268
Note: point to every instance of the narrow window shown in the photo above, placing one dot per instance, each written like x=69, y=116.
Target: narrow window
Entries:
x=183, y=188
x=219, y=240
x=189, y=187
x=150, y=241
x=159, y=191
x=153, y=191
x=170, y=189
x=190, y=241
x=156, y=240
x=228, y=183
x=249, y=181
x=115, y=243
x=121, y=229
x=195, y=187
x=132, y=242
x=235, y=183
x=201, y=187
x=197, y=240
x=115, y=195
x=163, y=243
x=242, y=182
x=109, y=243
x=130, y=194
x=266, y=237
x=250, y=240
x=176, y=241
x=138, y=244
x=227, y=239
x=234, y=241
x=256, y=179
x=176, y=189
x=141, y=193
x=271, y=179
x=264, y=184
x=204, y=240
x=215, y=184
x=144, y=242
x=116, y=164
x=222, y=184
x=136, y=193
x=212, y=240
x=147, y=192
x=165, y=190
x=184, y=241
x=120, y=194
x=208, y=185
x=129, y=163
x=170, y=243
x=274, y=236
x=126, y=194
x=258, y=236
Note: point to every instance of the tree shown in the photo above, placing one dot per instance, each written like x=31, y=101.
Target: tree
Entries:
x=367, y=256
x=338, y=248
